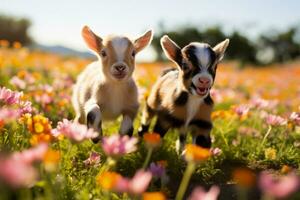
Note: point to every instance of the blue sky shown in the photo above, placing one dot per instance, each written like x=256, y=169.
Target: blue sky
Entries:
x=60, y=21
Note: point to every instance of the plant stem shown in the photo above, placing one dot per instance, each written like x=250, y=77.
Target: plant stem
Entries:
x=266, y=135
x=185, y=180
x=149, y=153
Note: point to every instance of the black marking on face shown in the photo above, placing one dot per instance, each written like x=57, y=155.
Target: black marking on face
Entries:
x=203, y=141
x=201, y=124
x=208, y=100
x=181, y=99
x=190, y=52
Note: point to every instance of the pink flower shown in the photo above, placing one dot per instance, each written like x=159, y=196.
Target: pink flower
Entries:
x=44, y=99
x=263, y=104
x=295, y=118
x=31, y=155
x=241, y=110
x=9, y=97
x=215, y=151
x=25, y=107
x=137, y=185
x=16, y=173
x=94, y=159
x=16, y=81
x=8, y=115
x=200, y=194
x=116, y=145
x=140, y=182
x=74, y=131
x=275, y=120
x=278, y=187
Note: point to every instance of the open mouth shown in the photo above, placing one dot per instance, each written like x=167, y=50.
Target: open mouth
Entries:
x=201, y=91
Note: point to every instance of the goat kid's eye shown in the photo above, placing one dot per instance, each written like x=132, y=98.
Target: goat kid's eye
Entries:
x=103, y=53
x=133, y=54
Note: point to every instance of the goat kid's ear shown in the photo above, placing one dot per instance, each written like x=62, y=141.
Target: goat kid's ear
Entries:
x=171, y=49
x=143, y=41
x=93, y=41
x=220, y=49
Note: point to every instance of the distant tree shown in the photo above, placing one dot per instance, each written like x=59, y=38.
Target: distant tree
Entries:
x=283, y=45
x=240, y=47
x=15, y=29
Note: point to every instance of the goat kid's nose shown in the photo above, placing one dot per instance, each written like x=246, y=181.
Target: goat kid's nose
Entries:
x=120, y=68
x=204, y=80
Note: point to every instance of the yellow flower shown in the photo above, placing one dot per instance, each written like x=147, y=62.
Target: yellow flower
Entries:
x=153, y=195
x=270, y=153
x=152, y=140
x=244, y=177
x=38, y=128
x=108, y=180
x=196, y=153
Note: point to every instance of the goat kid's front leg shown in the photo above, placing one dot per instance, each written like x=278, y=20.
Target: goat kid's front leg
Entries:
x=147, y=115
x=180, y=142
x=93, y=118
x=202, y=138
x=126, y=126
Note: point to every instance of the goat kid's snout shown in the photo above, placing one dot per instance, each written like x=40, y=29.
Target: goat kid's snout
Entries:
x=119, y=70
x=204, y=82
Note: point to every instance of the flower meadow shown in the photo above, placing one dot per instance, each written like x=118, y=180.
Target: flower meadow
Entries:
x=45, y=155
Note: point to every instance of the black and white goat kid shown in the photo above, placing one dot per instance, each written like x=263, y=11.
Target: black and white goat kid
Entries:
x=180, y=98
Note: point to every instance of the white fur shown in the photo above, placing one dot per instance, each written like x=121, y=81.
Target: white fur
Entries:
x=192, y=108
x=202, y=54
x=115, y=105
x=120, y=45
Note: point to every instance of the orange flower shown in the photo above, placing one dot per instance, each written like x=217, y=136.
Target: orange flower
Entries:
x=163, y=163
x=17, y=45
x=244, y=177
x=39, y=126
x=196, y=153
x=1, y=123
x=51, y=158
x=108, y=180
x=153, y=195
x=4, y=43
x=152, y=140
x=286, y=169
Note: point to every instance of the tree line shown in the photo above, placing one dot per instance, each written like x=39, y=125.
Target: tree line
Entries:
x=267, y=48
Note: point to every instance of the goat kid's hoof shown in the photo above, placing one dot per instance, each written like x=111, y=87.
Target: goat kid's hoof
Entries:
x=96, y=139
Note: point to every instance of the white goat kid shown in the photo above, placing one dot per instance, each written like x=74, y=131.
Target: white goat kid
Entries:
x=106, y=89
